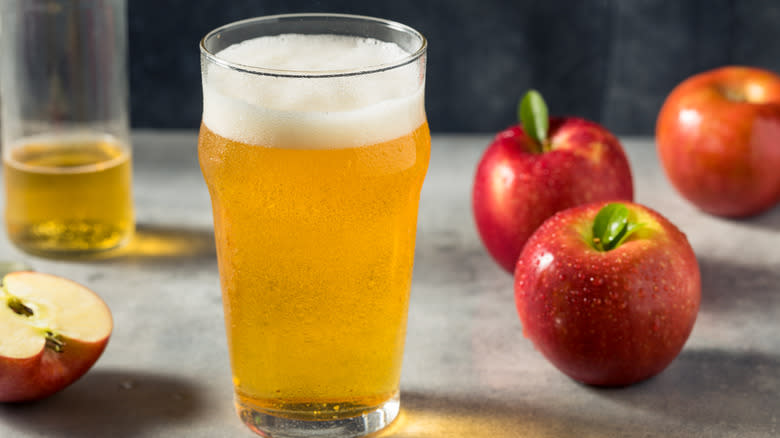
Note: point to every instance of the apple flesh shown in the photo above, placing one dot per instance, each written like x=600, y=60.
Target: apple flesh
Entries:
x=517, y=187
x=52, y=330
x=608, y=317
x=718, y=139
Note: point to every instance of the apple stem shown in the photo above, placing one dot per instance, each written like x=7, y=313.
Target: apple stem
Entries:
x=533, y=116
x=732, y=94
x=54, y=342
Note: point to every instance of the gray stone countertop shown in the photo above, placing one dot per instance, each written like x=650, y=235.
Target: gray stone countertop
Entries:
x=468, y=371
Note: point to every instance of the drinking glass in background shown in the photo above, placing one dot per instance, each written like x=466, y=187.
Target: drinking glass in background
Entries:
x=314, y=146
x=65, y=135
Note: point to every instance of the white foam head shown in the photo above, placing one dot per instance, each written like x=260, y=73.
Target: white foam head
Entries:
x=313, y=112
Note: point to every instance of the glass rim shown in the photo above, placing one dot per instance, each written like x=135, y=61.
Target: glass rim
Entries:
x=264, y=71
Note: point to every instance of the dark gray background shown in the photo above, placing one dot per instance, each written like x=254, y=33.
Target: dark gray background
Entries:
x=612, y=61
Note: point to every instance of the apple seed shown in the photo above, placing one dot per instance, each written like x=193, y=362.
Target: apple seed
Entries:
x=18, y=307
x=54, y=341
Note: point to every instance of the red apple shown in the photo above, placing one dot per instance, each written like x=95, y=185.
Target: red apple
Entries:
x=527, y=174
x=51, y=332
x=608, y=292
x=718, y=138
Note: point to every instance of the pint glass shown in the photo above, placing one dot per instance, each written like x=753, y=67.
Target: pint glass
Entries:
x=314, y=146
x=66, y=148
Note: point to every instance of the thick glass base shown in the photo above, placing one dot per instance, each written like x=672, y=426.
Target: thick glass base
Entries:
x=274, y=425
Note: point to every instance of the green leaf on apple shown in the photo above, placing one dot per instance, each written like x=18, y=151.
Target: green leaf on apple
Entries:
x=533, y=116
x=612, y=227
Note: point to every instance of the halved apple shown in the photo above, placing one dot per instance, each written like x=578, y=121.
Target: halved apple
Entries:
x=52, y=330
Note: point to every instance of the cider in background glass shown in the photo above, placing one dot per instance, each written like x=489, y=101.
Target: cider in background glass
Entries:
x=65, y=137
x=68, y=192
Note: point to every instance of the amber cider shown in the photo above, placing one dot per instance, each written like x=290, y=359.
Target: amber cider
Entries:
x=68, y=194
x=315, y=209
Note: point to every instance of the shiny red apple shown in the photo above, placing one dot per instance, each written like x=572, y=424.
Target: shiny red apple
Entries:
x=530, y=172
x=608, y=292
x=718, y=138
x=52, y=331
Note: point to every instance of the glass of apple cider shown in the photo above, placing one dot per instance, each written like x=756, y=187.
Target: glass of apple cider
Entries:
x=314, y=145
x=65, y=135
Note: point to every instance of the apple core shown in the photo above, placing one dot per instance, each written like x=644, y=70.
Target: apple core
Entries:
x=36, y=320
x=53, y=341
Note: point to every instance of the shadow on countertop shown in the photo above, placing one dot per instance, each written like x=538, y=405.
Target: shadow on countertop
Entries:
x=157, y=243
x=719, y=390
x=435, y=416
x=729, y=391
x=768, y=220
x=162, y=245
x=704, y=393
x=731, y=287
x=128, y=404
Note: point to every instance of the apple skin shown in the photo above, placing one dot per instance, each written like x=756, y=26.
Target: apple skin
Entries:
x=718, y=139
x=48, y=372
x=39, y=376
x=516, y=189
x=607, y=318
